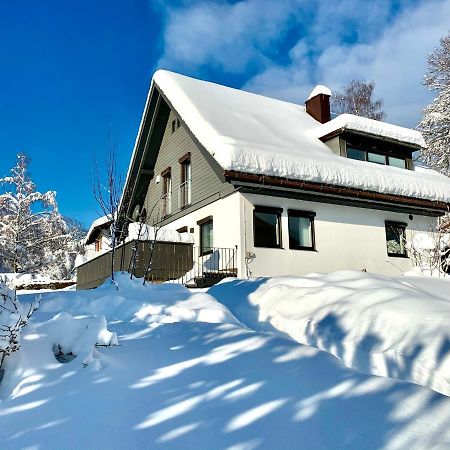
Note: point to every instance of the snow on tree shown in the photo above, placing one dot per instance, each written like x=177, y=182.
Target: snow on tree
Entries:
x=435, y=124
x=438, y=75
x=356, y=98
x=435, y=128
x=33, y=234
x=13, y=317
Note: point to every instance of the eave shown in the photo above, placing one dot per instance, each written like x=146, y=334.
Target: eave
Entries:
x=435, y=207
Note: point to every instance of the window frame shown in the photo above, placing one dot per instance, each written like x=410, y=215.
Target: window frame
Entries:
x=403, y=226
x=185, y=180
x=376, y=152
x=166, y=194
x=295, y=213
x=201, y=223
x=268, y=209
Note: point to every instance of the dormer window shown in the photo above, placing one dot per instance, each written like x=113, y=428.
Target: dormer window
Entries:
x=377, y=158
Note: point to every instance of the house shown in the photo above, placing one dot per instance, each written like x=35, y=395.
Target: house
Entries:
x=280, y=186
x=98, y=237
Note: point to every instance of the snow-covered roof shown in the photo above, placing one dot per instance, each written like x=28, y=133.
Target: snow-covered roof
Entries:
x=97, y=223
x=254, y=134
x=372, y=127
x=319, y=89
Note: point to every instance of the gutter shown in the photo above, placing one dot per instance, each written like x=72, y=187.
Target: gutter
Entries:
x=340, y=191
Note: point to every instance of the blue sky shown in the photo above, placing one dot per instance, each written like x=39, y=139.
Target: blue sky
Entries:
x=72, y=71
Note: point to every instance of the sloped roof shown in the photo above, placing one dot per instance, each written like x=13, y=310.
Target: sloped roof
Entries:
x=255, y=134
x=101, y=222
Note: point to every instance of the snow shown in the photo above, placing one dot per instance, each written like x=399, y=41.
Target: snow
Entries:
x=94, y=225
x=138, y=231
x=423, y=241
x=372, y=127
x=187, y=374
x=380, y=325
x=251, y=133
x=319, y=89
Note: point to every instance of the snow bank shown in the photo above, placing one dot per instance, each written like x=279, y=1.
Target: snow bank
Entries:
x=256, y=134
x=154, y=303
x=145, y=232
x=177, y=381
x=380, y=325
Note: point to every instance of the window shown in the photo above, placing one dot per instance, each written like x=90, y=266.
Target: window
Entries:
x=206, y=235
x=185, y=195
x=397, y=162
x=355, y=153
x=396, y=239
x=267, y=226
x=301, y=230
x=377, y=158
x=98, y=245
x=175, y=125
x=166, y=196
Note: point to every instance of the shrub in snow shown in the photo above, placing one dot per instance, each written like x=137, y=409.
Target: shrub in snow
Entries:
x=13, y=318
x=430, y=252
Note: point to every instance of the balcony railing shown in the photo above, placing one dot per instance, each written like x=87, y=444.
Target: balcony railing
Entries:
x=199, y=269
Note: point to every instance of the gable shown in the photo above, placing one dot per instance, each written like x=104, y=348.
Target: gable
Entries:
x=207, y=177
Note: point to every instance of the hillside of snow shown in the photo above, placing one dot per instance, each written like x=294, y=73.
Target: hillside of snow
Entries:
x=158, y=366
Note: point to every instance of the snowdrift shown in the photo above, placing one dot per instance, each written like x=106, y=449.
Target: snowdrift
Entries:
x=187, y=374
x=395, y=328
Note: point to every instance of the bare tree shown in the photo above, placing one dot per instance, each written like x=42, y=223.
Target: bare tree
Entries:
x=107, y=189
x=356, y=98
x=438, y=74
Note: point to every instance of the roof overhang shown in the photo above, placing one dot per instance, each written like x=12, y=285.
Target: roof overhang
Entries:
x=376, y=199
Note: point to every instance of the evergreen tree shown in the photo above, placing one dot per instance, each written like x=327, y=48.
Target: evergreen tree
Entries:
x=356, y=98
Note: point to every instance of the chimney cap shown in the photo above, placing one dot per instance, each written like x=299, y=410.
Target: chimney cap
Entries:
x=319, y=89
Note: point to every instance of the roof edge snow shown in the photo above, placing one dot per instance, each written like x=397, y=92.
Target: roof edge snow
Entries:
x=370, y=127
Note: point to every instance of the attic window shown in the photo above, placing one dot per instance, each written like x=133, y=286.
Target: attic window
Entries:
x=374, y=157
x=175, y=125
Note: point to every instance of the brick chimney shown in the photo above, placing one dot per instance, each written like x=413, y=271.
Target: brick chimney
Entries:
x=318, y=104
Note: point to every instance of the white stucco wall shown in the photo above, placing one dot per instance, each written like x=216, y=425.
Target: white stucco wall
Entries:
x=346, y=238
x=226, y=224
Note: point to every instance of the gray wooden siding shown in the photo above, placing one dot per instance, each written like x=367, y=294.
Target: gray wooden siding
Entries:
x=206, y=182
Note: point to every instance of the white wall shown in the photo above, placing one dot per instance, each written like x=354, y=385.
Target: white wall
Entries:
x=226, y=223
x=346, y=238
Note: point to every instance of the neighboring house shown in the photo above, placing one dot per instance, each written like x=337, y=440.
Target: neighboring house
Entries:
x=287, y=189
x=98, y=238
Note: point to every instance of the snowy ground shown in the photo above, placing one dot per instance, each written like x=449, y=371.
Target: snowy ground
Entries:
x=187, y=375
